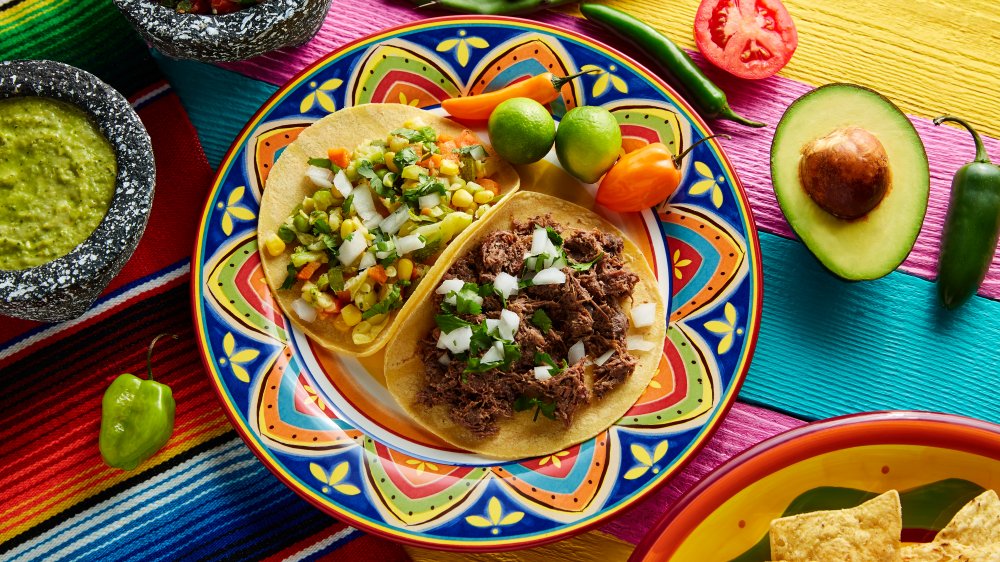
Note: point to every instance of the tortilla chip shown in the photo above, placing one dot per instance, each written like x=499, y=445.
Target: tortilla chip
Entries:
x=287, y=185
x=949, y=552
x=867, y=533
x=976, y=524
x=519, y=436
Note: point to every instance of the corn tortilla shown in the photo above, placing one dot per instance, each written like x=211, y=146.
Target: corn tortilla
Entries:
x=947, y=551
x=976, y=524
x=287, y=185
x=519, y=436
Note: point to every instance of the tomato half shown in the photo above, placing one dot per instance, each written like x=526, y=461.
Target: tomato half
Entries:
x=747, y=38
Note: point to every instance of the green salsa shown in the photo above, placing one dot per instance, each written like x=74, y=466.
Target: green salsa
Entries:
x=57, y=177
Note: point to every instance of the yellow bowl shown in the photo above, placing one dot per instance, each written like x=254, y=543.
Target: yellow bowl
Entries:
x=937, y=462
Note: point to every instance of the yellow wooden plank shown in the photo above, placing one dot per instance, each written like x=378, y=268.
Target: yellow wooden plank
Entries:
x=928, y=56
x=594, y=546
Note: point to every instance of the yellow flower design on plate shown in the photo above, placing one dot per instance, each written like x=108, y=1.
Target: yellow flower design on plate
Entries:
x=237, y=358
x=554, y=459
x=321, y=94
x=234, y=211
x=679, y=264
x=414, y=102
x=495, y=517
x=605, y=78
x=421, y=466
x=726, y=328
x=314, y=397
x=334, y=479
x=461, y=46
x=707, y=183
x=646, y=460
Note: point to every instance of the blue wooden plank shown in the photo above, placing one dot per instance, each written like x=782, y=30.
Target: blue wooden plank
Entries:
x=829, y=347
x=218, y=101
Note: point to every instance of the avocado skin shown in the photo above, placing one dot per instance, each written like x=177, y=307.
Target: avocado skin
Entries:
x=875, y=244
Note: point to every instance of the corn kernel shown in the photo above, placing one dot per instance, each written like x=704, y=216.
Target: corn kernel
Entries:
x=390, y=271
x=473, y=186
x=457, y=183
x=413, y=172
x=351, y=315
x=347, y=228
x=397, y=143
x=404, y=269
x=481, y=211
x=275, y=246
x=484, y=196
x=323, y=300
x=461, y=199
x=449, y=168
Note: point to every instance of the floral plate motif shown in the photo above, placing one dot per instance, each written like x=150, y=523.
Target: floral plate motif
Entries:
x=327, y=427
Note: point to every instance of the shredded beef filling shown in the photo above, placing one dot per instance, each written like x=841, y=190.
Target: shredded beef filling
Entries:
x=587, y=308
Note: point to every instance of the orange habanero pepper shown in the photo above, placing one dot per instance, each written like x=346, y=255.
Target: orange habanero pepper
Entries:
x=542, y=88
x=643, y=178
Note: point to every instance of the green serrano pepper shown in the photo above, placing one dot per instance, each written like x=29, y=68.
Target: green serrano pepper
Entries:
x=683, y=73
x=492, y=7
x=972, y=227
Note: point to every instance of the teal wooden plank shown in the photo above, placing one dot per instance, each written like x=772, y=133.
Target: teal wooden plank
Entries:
x=828, y=347
x=218, y=101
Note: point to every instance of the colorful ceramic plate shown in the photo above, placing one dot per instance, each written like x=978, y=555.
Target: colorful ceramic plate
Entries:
x=326, y=426
x=937, y=462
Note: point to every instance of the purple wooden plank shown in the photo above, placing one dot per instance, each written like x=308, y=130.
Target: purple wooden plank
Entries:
x=742, y=428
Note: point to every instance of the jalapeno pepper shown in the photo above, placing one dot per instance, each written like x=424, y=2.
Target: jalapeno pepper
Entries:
x=137, y=417
x=643, y=178
x=682, y=71
x=543, y=88
x=972, y=227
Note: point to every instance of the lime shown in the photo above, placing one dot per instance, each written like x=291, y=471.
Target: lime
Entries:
x=588, y=142
x=521, y=130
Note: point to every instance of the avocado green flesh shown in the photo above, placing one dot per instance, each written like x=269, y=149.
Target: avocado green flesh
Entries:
x=57, y=178
x=875, y=244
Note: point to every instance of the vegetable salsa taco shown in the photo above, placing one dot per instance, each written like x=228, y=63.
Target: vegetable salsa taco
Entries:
x=356, y=211
x=545, y=329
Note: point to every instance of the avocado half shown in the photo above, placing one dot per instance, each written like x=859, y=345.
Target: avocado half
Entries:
x=873, y=244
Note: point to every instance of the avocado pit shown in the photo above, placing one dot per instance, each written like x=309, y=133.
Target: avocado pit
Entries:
x=845, y=172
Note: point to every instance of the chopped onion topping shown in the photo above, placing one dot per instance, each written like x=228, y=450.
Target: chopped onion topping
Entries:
x=429, y=200
x=449, y=286
x=542, y=373
x=576, y=352
x=539, y=242
x=304, y=310
x=456, y=341
x=509, y=322
x=505, y=284
x=364, y=206
x=639, y=343
x=367, y=260
x=445, y=359
x=408, y=244
x=342, y=184
x=644, y=315
x=492, y=325
x=392, y=223
x=352, y=248
x=604, y=357
x=494, y=354
x=321, y=177
x=549, y=276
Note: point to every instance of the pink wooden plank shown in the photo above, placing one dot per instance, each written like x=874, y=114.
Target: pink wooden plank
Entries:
x=742, y=428
x=947, y=147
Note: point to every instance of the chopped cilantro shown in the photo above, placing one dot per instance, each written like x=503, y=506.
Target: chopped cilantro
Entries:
x=587, y=265
x=336, y=278
x=542, y=358
x=511, y=353
x=348, y=203
x=290, y=278
x=404, y=158
x=542, y=320
x=467, y=300
x=449, y=322
x=426, y=186
x=391, y=301
x=554, y=236
x=547, y=409
x=365, y=170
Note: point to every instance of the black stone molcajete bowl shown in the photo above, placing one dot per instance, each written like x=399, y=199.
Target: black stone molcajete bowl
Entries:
x=240, y=35
x=65, y=288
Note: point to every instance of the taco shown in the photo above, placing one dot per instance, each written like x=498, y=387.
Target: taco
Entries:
x=545, y=329
x=356, y=211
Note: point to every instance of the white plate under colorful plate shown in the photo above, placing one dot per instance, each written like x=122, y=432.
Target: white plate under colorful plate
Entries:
x=326, y=426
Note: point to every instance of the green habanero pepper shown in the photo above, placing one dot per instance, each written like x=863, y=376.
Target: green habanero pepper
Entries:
x=972, y=227
x=137, y=417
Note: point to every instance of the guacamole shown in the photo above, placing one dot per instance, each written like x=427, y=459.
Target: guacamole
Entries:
x=57, y=177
